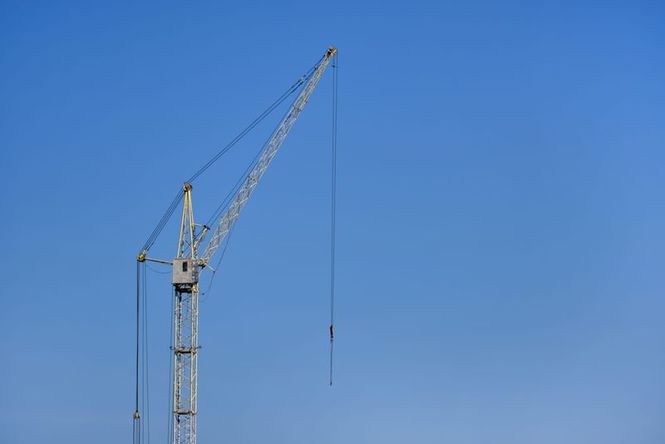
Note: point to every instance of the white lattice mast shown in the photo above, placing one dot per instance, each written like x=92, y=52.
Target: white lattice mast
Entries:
x=185, y=327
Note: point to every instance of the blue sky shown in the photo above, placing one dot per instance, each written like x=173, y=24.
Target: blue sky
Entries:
x=500, y=219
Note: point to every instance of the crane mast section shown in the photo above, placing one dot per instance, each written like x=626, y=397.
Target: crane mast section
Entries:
x=232, y=213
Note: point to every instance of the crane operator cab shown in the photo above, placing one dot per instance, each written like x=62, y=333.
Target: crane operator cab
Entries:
x=185, y=271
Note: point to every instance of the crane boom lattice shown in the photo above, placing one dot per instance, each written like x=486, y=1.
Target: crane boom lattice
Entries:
x=230, y=216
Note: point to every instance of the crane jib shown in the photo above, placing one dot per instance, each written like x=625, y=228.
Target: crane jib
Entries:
x=230, y=216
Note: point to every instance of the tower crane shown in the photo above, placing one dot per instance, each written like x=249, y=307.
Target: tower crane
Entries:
x=197, y=244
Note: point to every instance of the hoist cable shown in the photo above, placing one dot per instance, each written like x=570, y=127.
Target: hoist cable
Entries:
x=170, y=389
x=333, y=211
x=146, y=361
x=142, y=341
x=136, y=418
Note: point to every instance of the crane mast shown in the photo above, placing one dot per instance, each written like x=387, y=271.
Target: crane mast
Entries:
x=185, y=279
x=188, y=263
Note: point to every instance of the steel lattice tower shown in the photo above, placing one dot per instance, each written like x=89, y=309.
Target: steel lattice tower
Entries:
x=185, y=327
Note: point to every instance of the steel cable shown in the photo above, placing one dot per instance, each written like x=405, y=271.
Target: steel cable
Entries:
x=333, y=215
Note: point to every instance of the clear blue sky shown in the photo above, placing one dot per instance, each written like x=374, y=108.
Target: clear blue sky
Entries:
x=501, y=219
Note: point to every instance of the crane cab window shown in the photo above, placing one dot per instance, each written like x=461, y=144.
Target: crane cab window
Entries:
x=184, y=266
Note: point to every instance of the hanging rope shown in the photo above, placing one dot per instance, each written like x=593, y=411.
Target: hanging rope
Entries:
x=140, y=432
x=170, y=385
x=136, y=418
x=145, y=369
x=333, y=210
